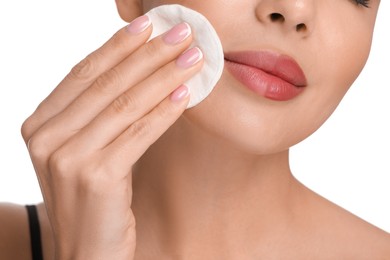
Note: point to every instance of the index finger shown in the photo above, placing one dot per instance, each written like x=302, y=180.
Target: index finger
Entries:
x=118, y=47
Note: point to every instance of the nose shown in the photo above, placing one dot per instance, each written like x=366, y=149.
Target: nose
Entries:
x=290, y=15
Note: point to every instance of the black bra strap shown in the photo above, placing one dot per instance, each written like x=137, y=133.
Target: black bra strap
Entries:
x=35, y=232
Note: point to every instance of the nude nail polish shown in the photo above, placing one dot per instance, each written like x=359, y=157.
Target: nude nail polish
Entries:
x=180, y=93
x=177, y=34
x=189, y=58
x=139, y=24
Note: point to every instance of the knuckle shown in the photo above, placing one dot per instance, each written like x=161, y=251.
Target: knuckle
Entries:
x=84, y=70
x=125, y=104
x=57, y=162
x=171, y=76
x=27, y=129
x=33, y=122
x=66, y=168
x=164, y=77
x=94, y=180
x=84, y=172
x=151, y=48
x=61, y=164
x=167, y=75
x=37, y=147
x=107, y=81
x=139, y=128
x=117, y=42
x=166, y=111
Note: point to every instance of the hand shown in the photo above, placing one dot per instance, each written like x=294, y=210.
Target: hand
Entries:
x=84, y=138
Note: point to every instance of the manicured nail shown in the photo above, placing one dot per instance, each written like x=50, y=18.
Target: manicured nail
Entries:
x=180, y=93
x=139, y=24
x=177, y=34
x=189, y=58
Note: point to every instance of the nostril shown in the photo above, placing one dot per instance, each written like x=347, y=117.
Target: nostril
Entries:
x=301, y=27
x=276, y=17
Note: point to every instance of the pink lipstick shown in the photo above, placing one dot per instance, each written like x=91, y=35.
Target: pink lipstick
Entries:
x=269, y=74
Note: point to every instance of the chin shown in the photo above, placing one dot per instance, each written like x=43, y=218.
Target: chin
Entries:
x=248, y=132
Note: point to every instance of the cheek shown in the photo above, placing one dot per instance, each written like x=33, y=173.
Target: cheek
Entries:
x=338, y=63
x=343, y=61
x=261, y=126
x=341, y=49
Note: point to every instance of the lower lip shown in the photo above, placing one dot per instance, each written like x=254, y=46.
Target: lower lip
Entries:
x=263, y=83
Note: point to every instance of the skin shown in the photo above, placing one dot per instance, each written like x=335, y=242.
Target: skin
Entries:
x=223, y=189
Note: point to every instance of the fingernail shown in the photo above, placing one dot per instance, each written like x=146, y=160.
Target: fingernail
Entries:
x=180, y=93
x=177, y=34
x=189, y=58
x=139, y=24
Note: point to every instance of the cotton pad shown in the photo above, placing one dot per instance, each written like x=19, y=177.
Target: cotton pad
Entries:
x=164, y=17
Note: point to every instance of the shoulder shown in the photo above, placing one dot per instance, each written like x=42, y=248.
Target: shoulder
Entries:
x=345, y=234
x=15, y=234
x=361, y=238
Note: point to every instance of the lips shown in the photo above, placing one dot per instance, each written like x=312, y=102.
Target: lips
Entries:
x=269, y=74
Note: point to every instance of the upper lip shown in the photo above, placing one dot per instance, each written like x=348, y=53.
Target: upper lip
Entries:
x=276, y=64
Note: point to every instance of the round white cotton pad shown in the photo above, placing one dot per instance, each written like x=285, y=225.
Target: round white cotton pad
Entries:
x=164, y=17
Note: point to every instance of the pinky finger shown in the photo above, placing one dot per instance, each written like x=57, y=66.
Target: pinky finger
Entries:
x=125, y=150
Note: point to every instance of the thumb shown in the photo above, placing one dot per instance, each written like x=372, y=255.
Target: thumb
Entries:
x=129, y=9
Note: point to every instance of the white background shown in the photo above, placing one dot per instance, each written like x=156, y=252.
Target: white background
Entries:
x=347, y=160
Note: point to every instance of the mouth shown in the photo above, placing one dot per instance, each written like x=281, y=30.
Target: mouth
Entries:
x=269, y=74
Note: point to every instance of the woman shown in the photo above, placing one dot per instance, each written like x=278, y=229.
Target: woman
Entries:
x=217, y=183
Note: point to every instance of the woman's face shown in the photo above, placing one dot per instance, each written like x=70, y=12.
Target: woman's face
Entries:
x=329, y=39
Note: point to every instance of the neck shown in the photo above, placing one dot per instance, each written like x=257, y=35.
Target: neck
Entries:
x=202, y=191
